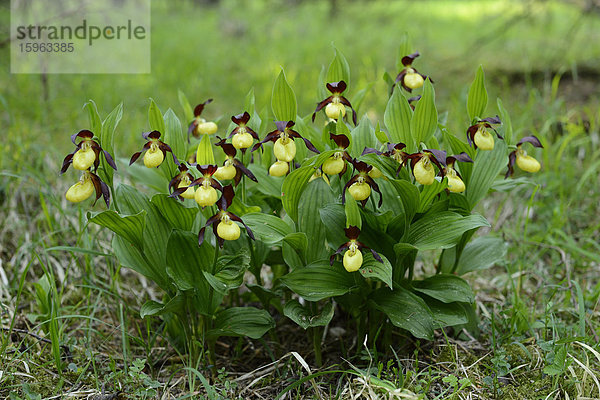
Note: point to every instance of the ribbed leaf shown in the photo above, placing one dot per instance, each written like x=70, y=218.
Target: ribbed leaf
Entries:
x=188, y=112
x=129, y=256
x=406, y=310
x=152, y=307
x=339, y=69
x=94, y=117
x=371, y=268
x=267, y=228
x=130, y=227
x=268, y=185
x=446, y=288
x=302, y=315
x=186, y=260
x=107, y=141
x=507, y=132
x=477, y=100
x=429, y=192
x=424, y=120
x=174, y=212
x=442, y=230
x=352, y=213
x=480, y=254
x=487, y=166
x=319, y=281
x=155, y=117
x=363, y=136
x=242, y=321
x=283, y=100
x=174, y=137
x=446, y=314
x=316, y=196
x=204, y=152
x=292, y=189
x=397, y=118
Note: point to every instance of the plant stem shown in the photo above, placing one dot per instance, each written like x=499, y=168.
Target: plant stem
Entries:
x=316, y=337
x=243, y=181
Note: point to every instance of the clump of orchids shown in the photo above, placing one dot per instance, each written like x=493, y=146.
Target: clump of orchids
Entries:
x=353, y=258
x=284, y=148
x=86, y=158
x=524, y=161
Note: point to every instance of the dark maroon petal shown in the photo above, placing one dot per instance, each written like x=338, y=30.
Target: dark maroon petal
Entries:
x=362, y=166
x=152, y=135
x=375, y=255
x=241, y=118
x=462, y=157
x=229, y=150
x=511, y=162
x=352, y=232
x=226, y=198
x=320, y=106
x=413, y=99
x=340, y=249
x=84, y=134
x=370, y=150
x=400, y=76
x=492, y=120
x=134, y=157
x=105, y=193
x=408, y=60
x=341, y=140
x=207, y=169
x=271, y=136
x=201, y=236
x=215, y=184
x=97, y=158
x=234, y=217
x=531, y=139
x=240, y=166
x=109, y=159
x=440, y=156
x=66, y=162
x=200, y=107
x=191, y=128
x=336, y=87
x=252, y=133
x=375, y=187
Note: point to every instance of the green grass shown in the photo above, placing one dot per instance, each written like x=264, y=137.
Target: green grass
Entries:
x=537, y=306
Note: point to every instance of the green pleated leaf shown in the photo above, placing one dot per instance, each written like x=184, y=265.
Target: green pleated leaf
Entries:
x=406, y=310
x=155, y=117
x=130, y=227
x=447, y=314
x=316, y=196
x=268, y=185
x=397, y=118
x=292, y=189
x=424, y=120
x=174, y=137
x=303, y=316
x=283, y=100
x=480, y=254
x=339, y=69
x=188, y=111
x=404, y=49
x=153, y=308
x=352, y=213
x=94, y=117
x=186, y=260
x=410, y=197
x=507, y=130
x=486, y=168
x=371, y=268
x=267, y=228
x=298, y=241
x=129, y=256
x=429, y=192
x=442, y=230
x=478, y=98
x=363, y=136
x=107, y=141
x=446, y=288
x=178, y=215
x=204, y=152
x=241, y=209
x=242, y=321
x=319, y=281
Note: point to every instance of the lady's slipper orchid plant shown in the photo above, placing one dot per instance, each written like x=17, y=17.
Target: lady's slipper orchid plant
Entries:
x=479, y=135
x=336, y=103
x=223, y=222
x=336, y=164
x=409, y=77
x=422, y=165
x=88, y=183
x=86, y=153
x=353, y=257
x=242, y=137
x=183, y=181
x=199, y=126
x=455, y=182
x=154, y=150
x=232, y=168
x=284, y=147
x=524, y=162
x=206, y=193
x=360, y=185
